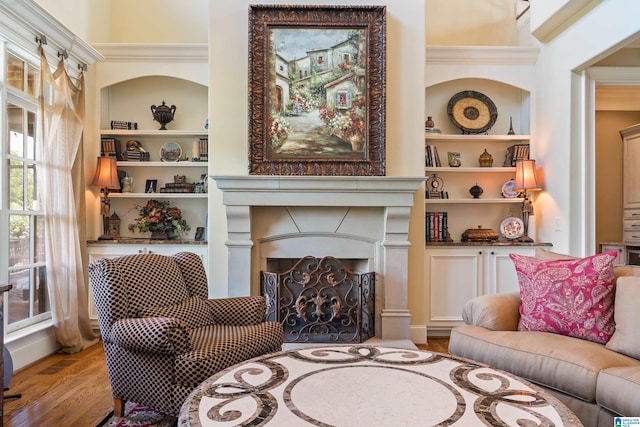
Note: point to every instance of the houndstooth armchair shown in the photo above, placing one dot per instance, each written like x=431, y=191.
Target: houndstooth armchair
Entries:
x=162, y=337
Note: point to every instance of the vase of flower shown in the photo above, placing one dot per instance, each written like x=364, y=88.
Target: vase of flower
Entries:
x=161, y=219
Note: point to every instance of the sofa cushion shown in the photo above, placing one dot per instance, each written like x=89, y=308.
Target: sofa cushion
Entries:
x=194, y=312
x=555, y=361
x=546, y=255
x=618, y=390
x=626, y=338
x=573, y=297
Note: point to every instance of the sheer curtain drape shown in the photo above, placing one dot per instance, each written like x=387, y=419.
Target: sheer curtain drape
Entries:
x=61, y=177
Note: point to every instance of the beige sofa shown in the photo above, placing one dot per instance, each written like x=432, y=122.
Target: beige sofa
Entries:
x=597, y=382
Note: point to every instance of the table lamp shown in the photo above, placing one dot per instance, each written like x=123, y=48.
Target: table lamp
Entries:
x=106, y=178
x=526, y=181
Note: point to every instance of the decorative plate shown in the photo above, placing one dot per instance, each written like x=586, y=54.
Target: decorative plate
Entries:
x=507, y=190
x=512, y=227
x=472, y=112
x=170, y=152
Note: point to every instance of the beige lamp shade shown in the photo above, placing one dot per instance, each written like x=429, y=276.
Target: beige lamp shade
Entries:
x=106, y=174
x=526, y=176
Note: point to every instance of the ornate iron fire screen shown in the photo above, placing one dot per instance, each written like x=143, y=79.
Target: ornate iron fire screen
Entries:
x=321, y=301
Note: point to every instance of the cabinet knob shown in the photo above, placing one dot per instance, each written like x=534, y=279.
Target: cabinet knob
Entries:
x=479, y=252
x=139, y=251
x=493, y=253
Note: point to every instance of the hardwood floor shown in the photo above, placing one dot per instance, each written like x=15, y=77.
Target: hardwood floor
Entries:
x=73, y=389
x=61, y=390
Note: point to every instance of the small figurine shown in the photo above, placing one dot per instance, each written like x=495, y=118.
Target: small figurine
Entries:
x=127, y=184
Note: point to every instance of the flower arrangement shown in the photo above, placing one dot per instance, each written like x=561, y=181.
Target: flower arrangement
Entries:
x=159, y=216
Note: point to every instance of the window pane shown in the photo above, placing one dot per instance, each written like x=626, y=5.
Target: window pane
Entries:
x=16, y=185
x=16, y=140
x=41, y=297
x=15, y=72
x=31, y=135
x=31, y=187
x=33, y=79
x=39, y=235
x=19, y=295
x=18, y=240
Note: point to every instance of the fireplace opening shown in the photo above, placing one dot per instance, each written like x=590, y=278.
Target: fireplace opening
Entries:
x=320, y=300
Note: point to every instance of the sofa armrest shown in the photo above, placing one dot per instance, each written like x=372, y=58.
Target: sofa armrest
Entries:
x=499, y=312
x=240, y=311
x=163, y=335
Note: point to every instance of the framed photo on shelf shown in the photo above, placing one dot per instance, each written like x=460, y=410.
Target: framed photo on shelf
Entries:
x=151, y=186
x=317, y=90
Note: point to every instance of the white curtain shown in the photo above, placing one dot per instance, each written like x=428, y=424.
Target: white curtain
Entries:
x=61, y=180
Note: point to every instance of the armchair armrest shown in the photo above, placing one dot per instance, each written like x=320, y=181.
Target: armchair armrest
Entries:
x=162, y=335
x=500, y=312
x=241, y=311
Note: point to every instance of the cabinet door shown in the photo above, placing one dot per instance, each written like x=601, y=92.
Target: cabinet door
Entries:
x=631, y=171
x=454, y=276
x=500, y=273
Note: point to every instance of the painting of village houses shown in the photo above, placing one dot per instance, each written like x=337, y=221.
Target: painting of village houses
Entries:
x=317, y=97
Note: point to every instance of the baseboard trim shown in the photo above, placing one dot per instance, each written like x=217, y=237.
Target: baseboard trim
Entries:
x=28, y=349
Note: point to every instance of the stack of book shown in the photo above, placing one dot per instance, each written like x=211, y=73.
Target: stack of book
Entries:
x=431, y=156
x=516, y=152
x=203, y=144
x=110, y=147
x=121, y=124
x=436, y=227
x=177, y=187
x=136, y=156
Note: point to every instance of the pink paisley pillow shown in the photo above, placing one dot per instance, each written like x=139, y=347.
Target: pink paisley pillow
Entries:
x=573, y=297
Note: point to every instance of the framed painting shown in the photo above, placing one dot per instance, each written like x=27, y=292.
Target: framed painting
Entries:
x=317, y=90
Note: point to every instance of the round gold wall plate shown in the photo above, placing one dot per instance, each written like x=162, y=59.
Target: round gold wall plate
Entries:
x=472, y=112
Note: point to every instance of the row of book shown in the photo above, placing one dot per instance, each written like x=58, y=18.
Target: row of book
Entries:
x=136, y=156
x=121, y=124
x=203, y=148
x=437, y=229
x=177, y=187
x=432, y=159
x=516, y=152
x=513, y=153
x=110, y=147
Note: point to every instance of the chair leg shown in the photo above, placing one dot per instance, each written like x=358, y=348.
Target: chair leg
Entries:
x=118, y=406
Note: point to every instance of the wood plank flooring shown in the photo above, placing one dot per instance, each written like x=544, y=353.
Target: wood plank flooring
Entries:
x=73, y=389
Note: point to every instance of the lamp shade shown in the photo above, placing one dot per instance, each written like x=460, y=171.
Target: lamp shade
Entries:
x=106, y=174
x=526, y=176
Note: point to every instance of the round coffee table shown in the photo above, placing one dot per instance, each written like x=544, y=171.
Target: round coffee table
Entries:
x=367, y=385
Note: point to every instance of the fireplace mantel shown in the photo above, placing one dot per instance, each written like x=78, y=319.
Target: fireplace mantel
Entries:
x=390, y=197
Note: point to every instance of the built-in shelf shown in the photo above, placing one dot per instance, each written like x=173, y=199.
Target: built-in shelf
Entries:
x=151, y=133
x=498, y=169
x=475, y=138
x=471, y=201
x=158, y=195
x=133, y=163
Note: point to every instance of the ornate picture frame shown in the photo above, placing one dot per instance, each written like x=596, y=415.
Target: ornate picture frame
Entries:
x=317, y=90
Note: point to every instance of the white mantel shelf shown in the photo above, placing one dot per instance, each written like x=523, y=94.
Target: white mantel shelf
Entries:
x=362, y=217
x=267, y=190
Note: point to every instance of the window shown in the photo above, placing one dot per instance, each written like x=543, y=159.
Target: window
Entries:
x=27, y=302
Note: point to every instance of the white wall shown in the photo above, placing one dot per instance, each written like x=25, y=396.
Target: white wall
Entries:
x=562, y=118
x=470, y=23
x=405, y=117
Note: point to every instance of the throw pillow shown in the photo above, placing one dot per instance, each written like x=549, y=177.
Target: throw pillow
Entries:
x=573, y=297
x=626, y=338
x=194, y=312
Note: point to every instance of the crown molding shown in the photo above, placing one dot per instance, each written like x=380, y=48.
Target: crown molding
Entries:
x=154, y=52
x=502, y=55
